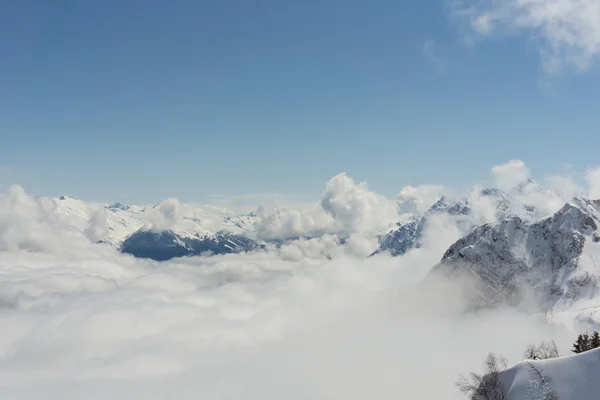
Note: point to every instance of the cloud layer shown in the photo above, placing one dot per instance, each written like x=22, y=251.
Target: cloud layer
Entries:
x=310, y=318
x=256, y=326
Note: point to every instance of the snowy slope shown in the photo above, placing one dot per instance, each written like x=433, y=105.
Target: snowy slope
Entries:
x=573, y=377
x=112, y=224
x=556, y=258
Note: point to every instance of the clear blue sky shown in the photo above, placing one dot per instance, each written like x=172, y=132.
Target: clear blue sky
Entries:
x=140, y=100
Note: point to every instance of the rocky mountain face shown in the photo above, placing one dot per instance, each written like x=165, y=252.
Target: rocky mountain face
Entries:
x=167, y=244
x=549, y=262
x=466, y=213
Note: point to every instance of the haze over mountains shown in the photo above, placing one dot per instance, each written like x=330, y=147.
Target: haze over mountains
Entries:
x=132, y=293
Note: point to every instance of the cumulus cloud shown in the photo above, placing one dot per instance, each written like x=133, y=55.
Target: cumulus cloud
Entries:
x=166, y=215
x=510, y=175
x=417, y=200
x=567, y=32
x=355, y=208
x=283, y=223
x=346, y=208
x=27, y=223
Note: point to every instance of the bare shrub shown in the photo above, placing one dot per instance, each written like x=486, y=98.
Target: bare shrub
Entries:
x=543, y=351
x=486, y=386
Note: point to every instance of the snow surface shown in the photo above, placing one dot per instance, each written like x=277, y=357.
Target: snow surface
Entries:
x=573, y=377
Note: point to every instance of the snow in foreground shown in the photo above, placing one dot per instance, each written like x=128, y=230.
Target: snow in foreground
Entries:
x=574, y=377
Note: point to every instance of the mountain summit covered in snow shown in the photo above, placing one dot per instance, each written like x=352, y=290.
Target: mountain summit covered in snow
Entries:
x=555, y=259
x=480, y=206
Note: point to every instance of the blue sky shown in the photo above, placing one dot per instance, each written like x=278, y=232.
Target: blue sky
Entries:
x=141, y=100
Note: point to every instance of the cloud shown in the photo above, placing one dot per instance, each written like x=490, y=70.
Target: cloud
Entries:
x=510, y=175
x=564, y=186
x=250, y=202
x=355, y=208
x=166, y=214
x=417, y=200
x=431, y=53
x=97, y=226
x=110, y=326
x=592, y=177
x=346, y=208
x=567, y=32
x=92, y=323
x=27, y=223
x=283, y=223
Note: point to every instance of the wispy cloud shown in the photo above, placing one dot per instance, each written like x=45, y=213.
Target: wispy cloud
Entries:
x=251, y=201
x=566, y=32
x=431, y=52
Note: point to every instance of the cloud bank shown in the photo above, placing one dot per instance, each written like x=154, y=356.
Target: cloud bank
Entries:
x=309, y=318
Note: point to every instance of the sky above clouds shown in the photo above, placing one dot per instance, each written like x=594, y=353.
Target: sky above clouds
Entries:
x=229, y=101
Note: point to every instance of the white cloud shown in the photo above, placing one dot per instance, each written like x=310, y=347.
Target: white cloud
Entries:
x=92, y=323
x=110, y=326
x=592, y=177
x=431, y=53
x=97, y=227
x=355, y=208
x=283, y=223
x=564, y=186
x=166, y=214
x=27, y=223
x=246, y=203
x=346, y=207
x=510, y=175
x=417, y=200
x=567, y=32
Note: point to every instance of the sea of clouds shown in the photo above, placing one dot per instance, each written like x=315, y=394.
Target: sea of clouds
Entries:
x=312, y=318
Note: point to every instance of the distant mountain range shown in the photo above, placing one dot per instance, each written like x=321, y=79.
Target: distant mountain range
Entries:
x=515, y=248
x=130, y=229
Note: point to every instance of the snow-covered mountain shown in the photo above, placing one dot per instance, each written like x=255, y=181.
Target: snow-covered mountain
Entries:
x=409, y=233
x=556, y=259
x=469, y=212
x=142, y=232
x=106, y=223
x=166, y=244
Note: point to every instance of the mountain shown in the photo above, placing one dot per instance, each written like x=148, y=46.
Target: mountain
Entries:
x=132, y=229
x=109, y=224
x=556, y=260
x=468, y=212
x=409, y=233
x=167, y=244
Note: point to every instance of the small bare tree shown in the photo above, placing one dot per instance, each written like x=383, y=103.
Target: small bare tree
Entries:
x=540, y=387
x=486, y=386
x=543, y=351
